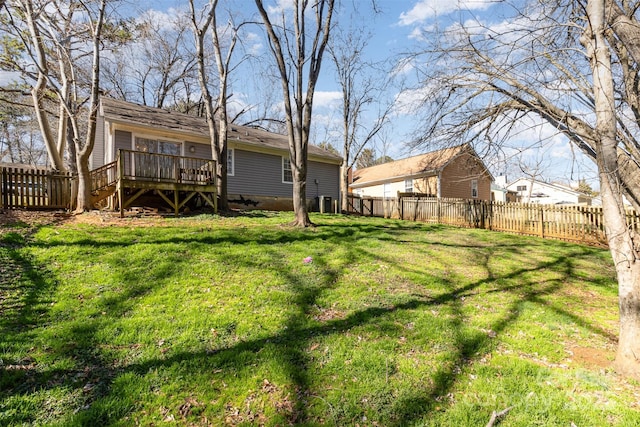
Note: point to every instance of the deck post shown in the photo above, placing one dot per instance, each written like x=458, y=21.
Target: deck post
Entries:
x=175, y=201
x=120, y=169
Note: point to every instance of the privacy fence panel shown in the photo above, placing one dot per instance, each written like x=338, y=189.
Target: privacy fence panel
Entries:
x=583, y=224
x=35, y=189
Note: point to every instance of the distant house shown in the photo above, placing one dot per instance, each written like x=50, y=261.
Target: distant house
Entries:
x=499, y=191
x=456, y=172
x=259, y=170
x=532, y=191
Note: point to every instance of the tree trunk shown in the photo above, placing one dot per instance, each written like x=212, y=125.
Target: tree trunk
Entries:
x=299, y=194
x=344, y=186
x=223, y=198
x=300, y=210
x=620, y=237
x=84, y=185
x=84, y=152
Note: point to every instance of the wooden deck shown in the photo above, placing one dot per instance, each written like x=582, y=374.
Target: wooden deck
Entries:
x=174, y=179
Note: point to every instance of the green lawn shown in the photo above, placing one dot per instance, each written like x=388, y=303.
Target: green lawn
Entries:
x=212, y=321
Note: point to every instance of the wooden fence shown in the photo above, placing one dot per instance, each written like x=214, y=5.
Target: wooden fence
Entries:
x=22, y=188
x=583, y=224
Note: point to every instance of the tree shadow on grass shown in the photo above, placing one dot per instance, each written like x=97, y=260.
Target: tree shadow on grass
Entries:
x=98, y=378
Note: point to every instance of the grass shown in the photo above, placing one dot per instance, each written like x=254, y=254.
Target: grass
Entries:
x=212, y=321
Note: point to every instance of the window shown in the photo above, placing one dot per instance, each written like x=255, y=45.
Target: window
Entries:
x=160, y=147
x=474, y=188
x=522, y=188
x=387, y=190
x=408, y=185
x=230, y=162
x=156, y=167
x=287, y=173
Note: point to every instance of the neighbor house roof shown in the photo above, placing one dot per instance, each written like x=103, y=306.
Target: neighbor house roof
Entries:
x=411, y=167
x=553, y=186
x=127, y=112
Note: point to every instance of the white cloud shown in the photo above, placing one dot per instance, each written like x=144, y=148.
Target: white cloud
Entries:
x=280, y=6
x=164, y=21
x=410, y=100
x=426, y=9
x=404, y=67
x=326, y=99
x=253, y=43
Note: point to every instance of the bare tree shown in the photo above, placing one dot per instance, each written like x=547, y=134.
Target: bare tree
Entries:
x=362, y=85
x=55, y=146
x=533, y=169
x=298, y=53
x=64, y=44
x=366, y=158
x=216, y=113
x=623, y=242
x=157, y=66
x=20, y=140
x=482, y=83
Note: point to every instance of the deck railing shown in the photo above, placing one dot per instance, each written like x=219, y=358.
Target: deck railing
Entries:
x=137, y=165
x=104, y=176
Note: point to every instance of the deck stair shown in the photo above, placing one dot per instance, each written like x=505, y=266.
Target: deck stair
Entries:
x=103, y=182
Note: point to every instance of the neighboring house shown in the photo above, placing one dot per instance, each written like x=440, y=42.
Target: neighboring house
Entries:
x=455, y=172
x=259, y=172
x=531, y=191
x=499, y=191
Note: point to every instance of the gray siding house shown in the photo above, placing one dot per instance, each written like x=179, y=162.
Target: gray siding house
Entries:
x=259, y=172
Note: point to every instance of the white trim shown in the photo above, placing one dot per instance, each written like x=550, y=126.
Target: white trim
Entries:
x=231, y=165
x=286, y=158
x=110, y=138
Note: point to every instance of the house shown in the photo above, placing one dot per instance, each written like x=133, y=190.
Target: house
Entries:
x=456, y=172
x=499, y=191
x=259, y=171
x=529, y=190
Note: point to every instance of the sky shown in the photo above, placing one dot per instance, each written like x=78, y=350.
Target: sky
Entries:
x=394, y=32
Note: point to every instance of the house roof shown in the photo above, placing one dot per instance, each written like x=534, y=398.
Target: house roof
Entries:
x=554, y=186
x=421, y=165
x=127, y=112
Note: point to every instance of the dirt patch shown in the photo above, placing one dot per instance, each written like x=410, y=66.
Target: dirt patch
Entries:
x=592, y=357
x=328, y=314
x=25, y=219
x=10, y=220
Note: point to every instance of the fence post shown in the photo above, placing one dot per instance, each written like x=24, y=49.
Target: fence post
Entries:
x=4, y=189
x=541, y=210
x=73, y=189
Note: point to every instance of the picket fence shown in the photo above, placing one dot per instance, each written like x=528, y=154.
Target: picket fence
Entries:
x=22, y=188
x=582, y=224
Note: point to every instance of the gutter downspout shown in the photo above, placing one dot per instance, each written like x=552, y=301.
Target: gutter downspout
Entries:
x=439, y=191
